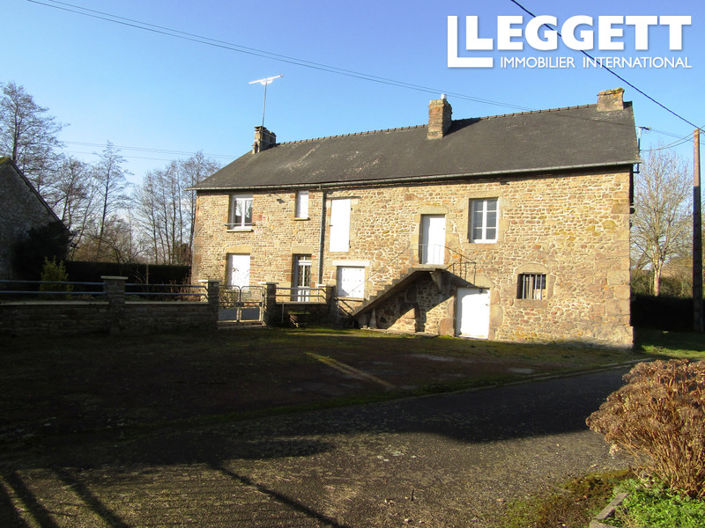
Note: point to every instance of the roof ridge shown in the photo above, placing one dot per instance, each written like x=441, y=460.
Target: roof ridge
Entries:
x=541, y=111
x=410, y=127
x=363, y=133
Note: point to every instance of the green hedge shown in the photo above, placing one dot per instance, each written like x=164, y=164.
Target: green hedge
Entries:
x=664, y=313
x=158, y=273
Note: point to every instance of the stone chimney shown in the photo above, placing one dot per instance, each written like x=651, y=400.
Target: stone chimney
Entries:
x=263, y=139
x=609, y=100
x=439, y=114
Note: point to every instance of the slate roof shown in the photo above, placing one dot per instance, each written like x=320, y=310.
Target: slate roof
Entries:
x=8, y=169
x=576, y=137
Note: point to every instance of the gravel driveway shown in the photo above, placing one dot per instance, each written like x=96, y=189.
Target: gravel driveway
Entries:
x=450, y=460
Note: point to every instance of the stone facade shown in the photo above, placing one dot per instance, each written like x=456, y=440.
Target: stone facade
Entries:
x=571, y=226
x=22, y=209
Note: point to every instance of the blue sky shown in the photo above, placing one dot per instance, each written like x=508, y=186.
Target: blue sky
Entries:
x=141, y=89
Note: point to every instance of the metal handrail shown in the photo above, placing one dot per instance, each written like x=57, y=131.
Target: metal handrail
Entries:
x=415, y=251
x=37, y=291
x=312, y=293
x=49, y=282
x=52, y=292
x=149, y=285
x=203, y=290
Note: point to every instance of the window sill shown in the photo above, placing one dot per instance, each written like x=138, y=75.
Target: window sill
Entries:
x=537, y=303
x=301, y=218
x=483, y=242
x=240, y=229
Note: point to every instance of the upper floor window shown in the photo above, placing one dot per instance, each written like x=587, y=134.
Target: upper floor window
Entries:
x=483, y=220
x=531, y=286
x=301, y=204
x=240, y=214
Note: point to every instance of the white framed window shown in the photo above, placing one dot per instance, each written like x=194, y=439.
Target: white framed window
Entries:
x=351, y=282
x=531, y=286
x=301, y=278
x=240, y=212
x=301, y=204
x=484, y=213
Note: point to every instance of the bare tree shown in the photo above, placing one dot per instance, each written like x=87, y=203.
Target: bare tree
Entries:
x=661, y=222
x=28, y=135
x=73, y=196
x=111, y=183
x=166, y=208
x=194, y=170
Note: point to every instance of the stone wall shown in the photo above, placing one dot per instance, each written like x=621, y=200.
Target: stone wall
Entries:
x=572, y=226
x=21, y=210
x=78, y=318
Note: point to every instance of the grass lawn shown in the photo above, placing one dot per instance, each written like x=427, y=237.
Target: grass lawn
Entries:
x=572, y=506
x=667, y=344
x=92, y=383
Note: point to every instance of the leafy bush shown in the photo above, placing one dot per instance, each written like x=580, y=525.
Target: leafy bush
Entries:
x=54, y=272
x=649, y=504
x=658, y=418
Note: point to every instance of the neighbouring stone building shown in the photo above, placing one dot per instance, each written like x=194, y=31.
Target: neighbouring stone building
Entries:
x=509, y=227
x=21, y=209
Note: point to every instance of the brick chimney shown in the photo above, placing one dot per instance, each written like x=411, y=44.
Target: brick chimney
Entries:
x=609, y=100
x=263, y=139
x=439, y=114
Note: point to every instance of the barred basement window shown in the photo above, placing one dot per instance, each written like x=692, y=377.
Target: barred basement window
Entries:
x=531, y=286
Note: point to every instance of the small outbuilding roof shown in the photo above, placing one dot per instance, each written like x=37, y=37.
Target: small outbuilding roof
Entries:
x=579, y=137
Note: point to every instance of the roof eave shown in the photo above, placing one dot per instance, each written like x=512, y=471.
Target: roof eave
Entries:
x=420, y=179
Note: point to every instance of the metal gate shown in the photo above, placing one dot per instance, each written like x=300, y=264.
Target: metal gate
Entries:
x=241, y=304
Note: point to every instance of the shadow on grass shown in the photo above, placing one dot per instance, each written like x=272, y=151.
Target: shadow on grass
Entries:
x=93, y=502
x=9, y=515
x=281, y=498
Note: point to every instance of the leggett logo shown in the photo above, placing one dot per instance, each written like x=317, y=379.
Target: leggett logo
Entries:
x=578, y=33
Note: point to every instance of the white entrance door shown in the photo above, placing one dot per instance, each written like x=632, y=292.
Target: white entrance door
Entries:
x=433, y=239
x=239, y=270
x=340, y=224
x=473, y=316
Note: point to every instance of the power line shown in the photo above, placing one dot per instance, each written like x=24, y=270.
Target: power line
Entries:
x=150, y=149
x=192, y=37
x=124, y=156
x=675, y=144
x=612, y=71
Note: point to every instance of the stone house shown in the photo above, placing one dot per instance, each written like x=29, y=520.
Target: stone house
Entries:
x=509, y=227
x=23, y=208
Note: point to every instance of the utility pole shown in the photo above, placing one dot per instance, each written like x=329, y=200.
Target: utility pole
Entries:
x=697, y=240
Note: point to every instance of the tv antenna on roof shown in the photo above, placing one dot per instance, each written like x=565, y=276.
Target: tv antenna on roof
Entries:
x=264, y=82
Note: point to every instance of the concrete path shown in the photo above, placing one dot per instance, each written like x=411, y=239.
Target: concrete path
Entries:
x=452, y=460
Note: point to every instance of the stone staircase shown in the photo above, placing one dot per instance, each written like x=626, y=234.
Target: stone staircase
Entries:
x=404, y=278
